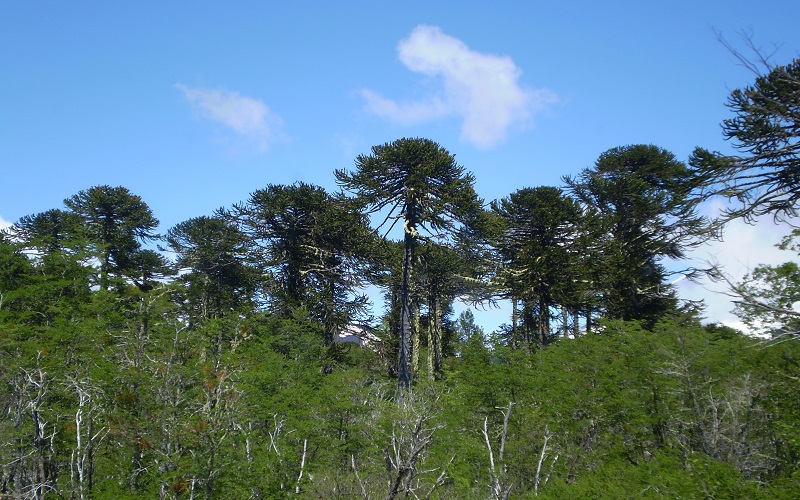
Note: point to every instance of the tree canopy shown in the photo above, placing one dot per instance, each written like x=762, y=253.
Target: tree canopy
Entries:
x=419, y=182
x=538, y=244
x=115, y=222
x=216, y=372
x=640, y=197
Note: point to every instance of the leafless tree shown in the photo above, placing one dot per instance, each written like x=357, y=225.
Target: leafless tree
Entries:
x=499, y=482
x=87, y=437
x=29, y=465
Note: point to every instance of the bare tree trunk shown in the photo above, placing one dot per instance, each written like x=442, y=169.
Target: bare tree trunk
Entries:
x=79, y=461
x=537, y=479
x=437, y=337
x=588, y=320
x=34, y=470
x=575, y=323
x=412, y=434
x=415, y=342
x=514, y=320
x=403, y=373
x=499, y=484
x=302, y=467
x=86, y=439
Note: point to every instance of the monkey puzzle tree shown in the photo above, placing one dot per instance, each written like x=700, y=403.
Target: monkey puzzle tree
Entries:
x=540, y=230
x=419, y=182
x=640, y=197
x=341, y=266
x=278, y=222
x=310, y=247
x=213, y=249
x=115, y=222
x=48, y=231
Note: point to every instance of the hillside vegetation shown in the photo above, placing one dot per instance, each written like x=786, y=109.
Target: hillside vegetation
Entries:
x=204, y=362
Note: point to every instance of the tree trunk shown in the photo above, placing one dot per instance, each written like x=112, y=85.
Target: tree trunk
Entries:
x=514, y=316
x=430, y=343
x=415, y=341
x=575, y=323
x=437, y=336
x=328, y=321
x=403, y=372
x=434, y=337
x=544, y=321
x=527, y=323
x=588, y=320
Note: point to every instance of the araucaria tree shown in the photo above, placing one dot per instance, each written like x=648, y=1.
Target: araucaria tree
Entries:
x=116, y=222
x=539, y=233
x=310, y=248
x=640, y=197
x=218, y=280
x=419, y=182
x=765, y=129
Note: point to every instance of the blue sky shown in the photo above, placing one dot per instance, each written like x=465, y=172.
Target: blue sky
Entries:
x=193, y=105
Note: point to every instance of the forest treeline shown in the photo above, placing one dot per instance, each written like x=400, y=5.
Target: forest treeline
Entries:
x=204, y=362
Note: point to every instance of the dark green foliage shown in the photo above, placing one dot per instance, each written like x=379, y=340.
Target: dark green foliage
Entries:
x=115, y=221
x=15, y=271
x=210, y=259
x=49, y=231
x=224, y=381
x=44, y=289
x=541, y=230
x=311, y=250
x=638, y=199
x=419, y=182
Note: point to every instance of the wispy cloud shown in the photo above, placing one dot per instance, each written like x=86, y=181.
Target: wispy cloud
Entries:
x=246, y=116
x=481, y=89
x=744, y=246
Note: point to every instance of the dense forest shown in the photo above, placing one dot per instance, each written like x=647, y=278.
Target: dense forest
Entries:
x=206, y=362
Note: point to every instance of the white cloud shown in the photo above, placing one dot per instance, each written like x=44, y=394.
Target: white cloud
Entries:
x=405, y=113
x=481, y=89
x=4, y=224
x=744, y=246
x=248, y=117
